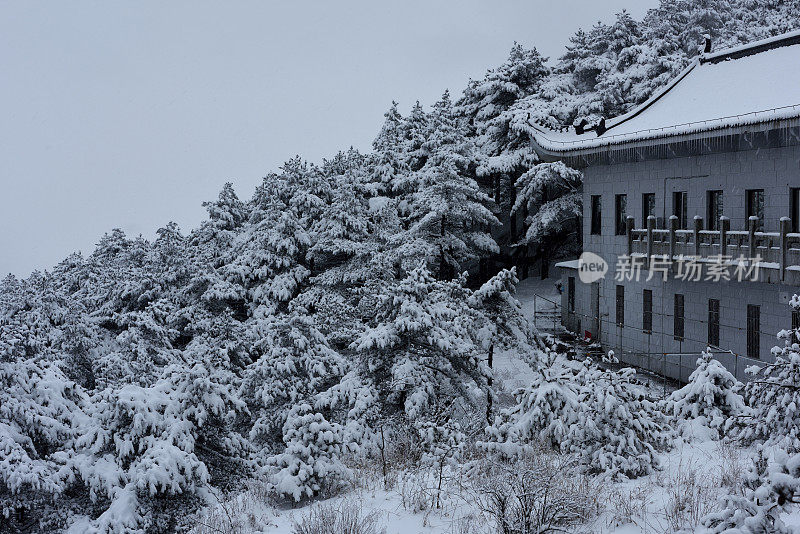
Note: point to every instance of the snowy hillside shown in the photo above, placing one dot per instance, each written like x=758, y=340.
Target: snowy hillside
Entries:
x=351, y=350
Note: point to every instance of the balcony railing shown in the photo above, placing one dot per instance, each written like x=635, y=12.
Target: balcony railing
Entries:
x=778, y=252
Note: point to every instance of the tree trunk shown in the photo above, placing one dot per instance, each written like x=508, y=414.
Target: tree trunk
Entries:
x=489, y=389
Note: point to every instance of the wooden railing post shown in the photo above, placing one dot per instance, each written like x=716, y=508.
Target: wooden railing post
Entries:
x=673, y=228
x=724, y=226
x=698, y=226
x=629, y=232
x=784, y=226
x=651, y=225
x=751, y=235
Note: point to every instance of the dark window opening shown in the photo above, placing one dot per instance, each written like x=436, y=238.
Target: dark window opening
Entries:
x=713, y=322
x=596, y=215
x=677, y=326
x=648, y=207
x=755, y=207
x=714, y=209
x=679, y=206
x=620, y=207
x=621, y=305
x=647, y=310
x=794, y=208
x=795, y=322
x=753, y=330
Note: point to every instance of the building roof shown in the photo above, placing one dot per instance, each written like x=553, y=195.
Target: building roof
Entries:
x=751, y=84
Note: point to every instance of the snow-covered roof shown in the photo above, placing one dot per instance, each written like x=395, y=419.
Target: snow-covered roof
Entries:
x=750, y=84
x=569, y=264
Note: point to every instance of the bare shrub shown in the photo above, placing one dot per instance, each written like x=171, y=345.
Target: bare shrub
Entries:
x=417, y=491
x=536, y=493
x=690, y=496
x=234, y=514
x=471, y=523
x=345, y=517
x=628, y=505
x=732, y=467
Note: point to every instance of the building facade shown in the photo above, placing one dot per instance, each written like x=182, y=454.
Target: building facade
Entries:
x=693, y=201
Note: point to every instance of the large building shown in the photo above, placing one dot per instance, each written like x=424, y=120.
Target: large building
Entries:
x=698, y=179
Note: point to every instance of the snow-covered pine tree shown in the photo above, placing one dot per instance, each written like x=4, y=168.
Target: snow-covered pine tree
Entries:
x=544, y=410
x=296, y=445
x=449, y=218
x=39, y=409
x=295, y=364
x=227, y=212
x=503, y=153
x=390, y=166
x=419, y=346
x=773, y=396
x=709, y=399
x=504, y=327
x=312, y=460
x=442, y=444
x=772, y=489
x=415, y=130
x=549, y=197
x=347, y=255
x=143, y=453
x=618, y=429
x=268, y=259
x=485, y=105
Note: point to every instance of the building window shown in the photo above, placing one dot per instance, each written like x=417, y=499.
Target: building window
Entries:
x=647, y=310
x=679, y=202
x=753, y=330
x=714, y=209
x=571, y=294
x=596, y=215
x=755, y=207
x=795, y=323
x=713, y=322
x=621, y=305
x=677, y=325
x=794, y=208
x=620, y=205
x=648, y=207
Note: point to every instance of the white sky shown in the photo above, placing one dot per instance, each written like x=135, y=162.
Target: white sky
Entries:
x=131, y=114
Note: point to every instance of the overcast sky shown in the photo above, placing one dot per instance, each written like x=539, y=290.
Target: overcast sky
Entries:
x=132, y=114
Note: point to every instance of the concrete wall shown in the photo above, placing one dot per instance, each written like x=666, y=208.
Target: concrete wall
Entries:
x=775, y=170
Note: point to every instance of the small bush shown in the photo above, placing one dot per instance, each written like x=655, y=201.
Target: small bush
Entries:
x=345, y=517
x=537, y=493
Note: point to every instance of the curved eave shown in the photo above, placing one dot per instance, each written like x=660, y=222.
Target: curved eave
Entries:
x=773, y=119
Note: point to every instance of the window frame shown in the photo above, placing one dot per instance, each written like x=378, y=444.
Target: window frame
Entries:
x=713, y=322
x=754, y=331
x=647, y=311
x=751, y=209
x=596, y=215
x=646, y=207
x=620, y=213
x=714, y=211
x=679, y=317
x=680, y=208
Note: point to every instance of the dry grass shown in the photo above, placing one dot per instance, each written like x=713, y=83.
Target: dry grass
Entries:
x=342, y=517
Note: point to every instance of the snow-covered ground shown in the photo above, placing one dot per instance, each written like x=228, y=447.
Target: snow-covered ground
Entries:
x=536, y=294
x=686, y=488
x=691, y=479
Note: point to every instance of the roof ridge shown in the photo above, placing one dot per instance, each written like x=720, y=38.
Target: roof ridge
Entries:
x=749, y=49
